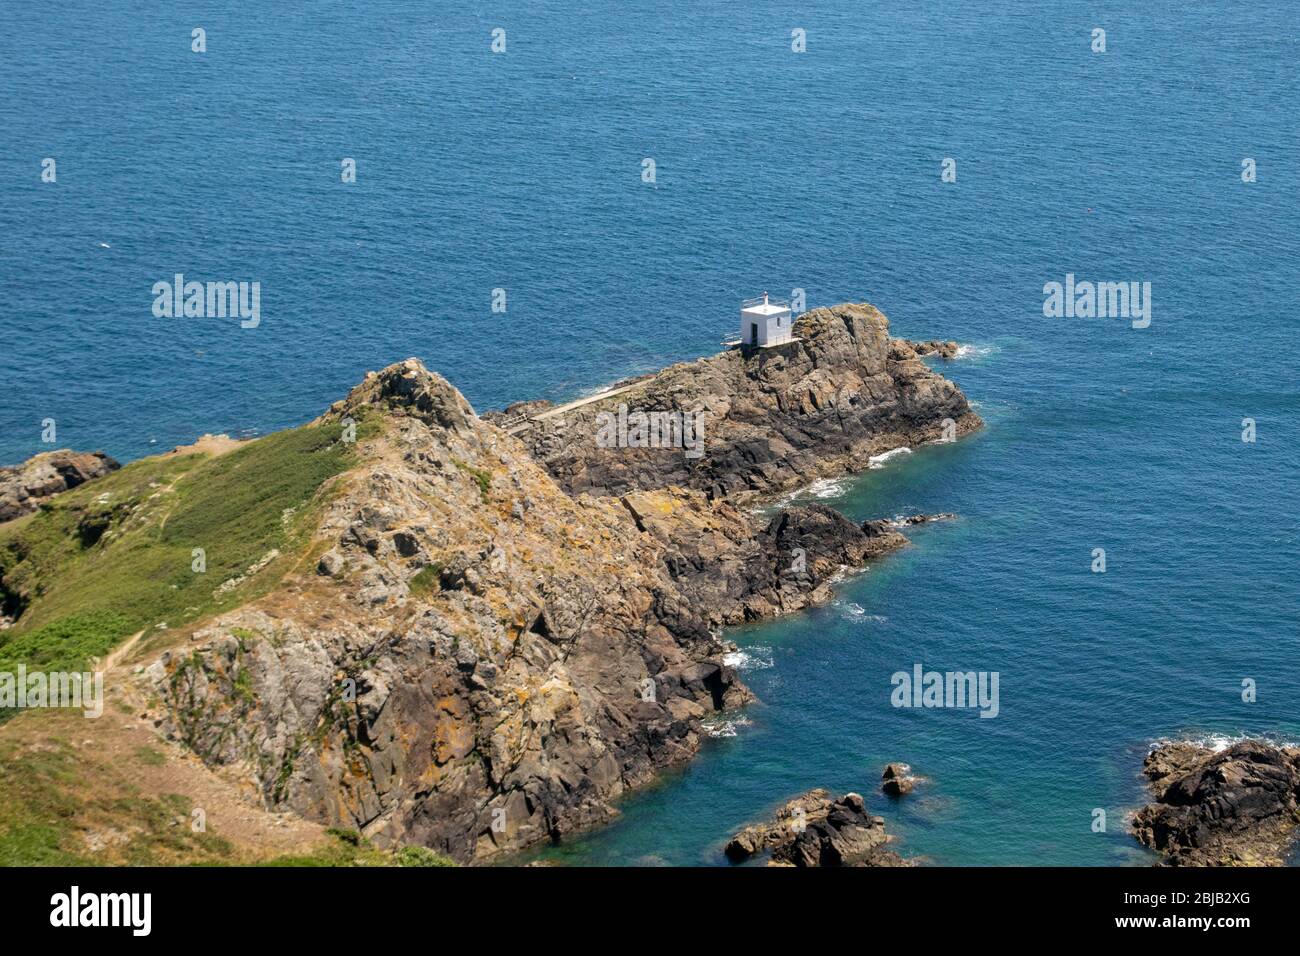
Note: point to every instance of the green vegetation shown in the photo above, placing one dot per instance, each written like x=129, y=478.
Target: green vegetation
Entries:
x=426, y=580
x=347, y=848
x=48, y=817
x=481, y=475
x=422, y=856
x=150, y=757
x=66, y=643
x=118, y=554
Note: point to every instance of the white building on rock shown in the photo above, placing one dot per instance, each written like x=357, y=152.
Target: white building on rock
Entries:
x=765, y=322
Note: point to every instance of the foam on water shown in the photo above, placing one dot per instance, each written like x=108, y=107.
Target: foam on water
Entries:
x=1219, y=742
x=879, y=461
x=749, y=658
x=724, y=726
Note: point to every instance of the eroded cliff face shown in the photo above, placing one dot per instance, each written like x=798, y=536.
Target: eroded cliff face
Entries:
x=773, y=419
x=475, y=660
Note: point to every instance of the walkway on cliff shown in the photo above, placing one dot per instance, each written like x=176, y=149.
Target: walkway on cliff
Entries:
x=516, y=425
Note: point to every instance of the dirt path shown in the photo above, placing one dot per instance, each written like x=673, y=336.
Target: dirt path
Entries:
x=116, y=655
x=130, y=761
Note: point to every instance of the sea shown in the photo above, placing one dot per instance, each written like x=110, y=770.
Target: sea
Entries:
x=549, y=197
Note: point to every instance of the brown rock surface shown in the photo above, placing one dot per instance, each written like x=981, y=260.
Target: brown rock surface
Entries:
x=897, y=780
x=24, y=487
x=1231, y=807
x=945, y=350
x=814, y=830
x=480, y=655
x=478, y=660
x=774, y=419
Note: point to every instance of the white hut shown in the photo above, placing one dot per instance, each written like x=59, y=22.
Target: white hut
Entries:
x=765, y=322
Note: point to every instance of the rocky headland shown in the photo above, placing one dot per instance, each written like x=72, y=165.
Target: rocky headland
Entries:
x=773, y=419
x=1231, y=807
x=481, y=634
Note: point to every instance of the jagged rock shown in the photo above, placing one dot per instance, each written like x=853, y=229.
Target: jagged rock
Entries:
x=774, y=419
x=517, y=411
x=945, y=350
x=731, y=575
x=331, y=563
x=555, y=663
x=1233, y=807
x=813, y=830
x=23, y=488
x=897, y=780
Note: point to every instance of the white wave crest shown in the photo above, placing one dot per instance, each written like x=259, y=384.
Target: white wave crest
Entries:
x=749, y=658
x=878, y=461
x=724, y=727
x=1218, y=742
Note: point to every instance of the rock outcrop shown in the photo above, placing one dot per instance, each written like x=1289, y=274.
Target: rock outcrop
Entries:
x=814, y=830
x=944, y=350
x=771, y=419
x=790, y=564
x=1230, y=807
x=24, y=487
x=897, y=780
x=478, y=660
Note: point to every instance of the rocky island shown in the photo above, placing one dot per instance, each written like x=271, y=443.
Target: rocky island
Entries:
x=466, y=633
x=813, y=830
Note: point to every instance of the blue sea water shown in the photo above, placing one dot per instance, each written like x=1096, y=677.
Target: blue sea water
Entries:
x=774, y=170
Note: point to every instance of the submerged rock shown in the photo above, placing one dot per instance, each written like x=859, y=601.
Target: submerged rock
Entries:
x=1231, y=807
x=814, y=830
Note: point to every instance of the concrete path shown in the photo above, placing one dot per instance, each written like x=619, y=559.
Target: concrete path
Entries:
x=516, y=428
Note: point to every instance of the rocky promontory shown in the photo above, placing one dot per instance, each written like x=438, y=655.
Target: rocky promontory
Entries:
x=814, y=830
x=1221, y=807
x=473, y=638
x=772, y=419
x=482, y=660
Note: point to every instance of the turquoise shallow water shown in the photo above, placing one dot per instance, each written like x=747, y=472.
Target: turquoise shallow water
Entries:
x=775, y=170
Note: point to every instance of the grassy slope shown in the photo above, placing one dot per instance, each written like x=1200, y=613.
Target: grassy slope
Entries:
x=115, y=556
x=48, y=814
x=50, y=817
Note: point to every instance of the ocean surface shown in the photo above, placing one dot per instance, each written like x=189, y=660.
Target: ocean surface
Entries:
x=776, y=171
